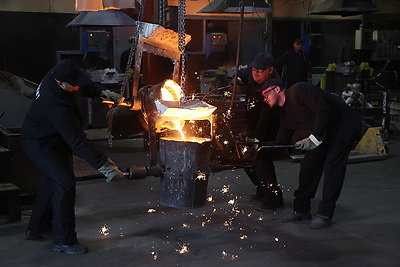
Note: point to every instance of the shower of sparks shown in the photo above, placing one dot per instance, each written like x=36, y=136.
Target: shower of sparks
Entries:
x=183, y=249
x=227, y=114
x=154, y=255
x=104, y=230
x=185, y=225
x=225, y=189
x=226, y=255
x=151, y=210
x=201, y=176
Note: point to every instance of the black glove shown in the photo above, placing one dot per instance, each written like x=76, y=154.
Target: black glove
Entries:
x=111, y=171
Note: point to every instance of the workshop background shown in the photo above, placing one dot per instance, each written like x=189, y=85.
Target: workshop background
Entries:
x=344, y=47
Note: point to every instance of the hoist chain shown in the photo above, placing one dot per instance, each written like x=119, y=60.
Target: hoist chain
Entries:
x=182, y=40
x=161, y=12
x=128, y=69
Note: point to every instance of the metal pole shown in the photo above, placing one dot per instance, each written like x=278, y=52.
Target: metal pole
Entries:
x=237, y=53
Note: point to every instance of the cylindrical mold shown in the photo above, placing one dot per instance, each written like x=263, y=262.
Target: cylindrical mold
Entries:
x=185, y=179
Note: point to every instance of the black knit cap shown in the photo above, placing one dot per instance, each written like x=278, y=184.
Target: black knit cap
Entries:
x=271, y=82
x=262, y=61
x=68, y=71
x=298, y=40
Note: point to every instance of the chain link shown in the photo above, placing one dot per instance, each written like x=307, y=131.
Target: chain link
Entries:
x=132, y=51
x=182, y=40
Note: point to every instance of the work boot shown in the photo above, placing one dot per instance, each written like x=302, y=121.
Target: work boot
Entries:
x=273, y=200
x=297, y=216
x=320, y=222
x=73, y=249
x=30, y=235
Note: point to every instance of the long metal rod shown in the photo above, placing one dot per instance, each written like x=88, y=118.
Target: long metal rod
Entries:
x=237, y=53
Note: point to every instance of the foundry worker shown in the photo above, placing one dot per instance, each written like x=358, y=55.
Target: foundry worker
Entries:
x=262, y=125
x=296, y=63
x=331, y=127
x=51, y=133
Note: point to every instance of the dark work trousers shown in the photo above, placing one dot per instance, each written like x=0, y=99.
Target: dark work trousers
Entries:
x=56, y=196
x=329, y=158
x=264, y=169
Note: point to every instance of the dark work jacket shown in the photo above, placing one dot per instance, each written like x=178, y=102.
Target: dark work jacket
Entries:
x=325, y=115
x=297, y=67
x=262, y=120
x=55, y=114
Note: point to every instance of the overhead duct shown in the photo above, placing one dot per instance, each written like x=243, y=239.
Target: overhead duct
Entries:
x=233, y=6
x=108, y=17
x=344, y=7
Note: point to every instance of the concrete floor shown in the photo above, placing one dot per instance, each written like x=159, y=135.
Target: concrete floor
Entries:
x=227, y=231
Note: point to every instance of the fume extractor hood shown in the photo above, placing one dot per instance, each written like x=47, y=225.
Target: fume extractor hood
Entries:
x=344, y=7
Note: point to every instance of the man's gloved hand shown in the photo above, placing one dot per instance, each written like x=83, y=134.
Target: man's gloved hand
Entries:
x=111, y=171
x=107, y=94
x=308, y=143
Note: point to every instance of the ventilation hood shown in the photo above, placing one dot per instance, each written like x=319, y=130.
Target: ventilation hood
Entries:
x=108, y=17
x=344, y=7
x=233, y=6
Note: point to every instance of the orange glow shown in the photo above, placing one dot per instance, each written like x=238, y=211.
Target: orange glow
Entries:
x=174, y=114
x=171, y=91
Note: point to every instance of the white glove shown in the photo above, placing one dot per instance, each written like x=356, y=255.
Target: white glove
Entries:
x=111, y=171
x=308, y=143
x=107, y=94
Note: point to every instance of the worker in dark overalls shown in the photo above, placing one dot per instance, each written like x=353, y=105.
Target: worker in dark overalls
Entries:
x=51, y=133
x=262, y=125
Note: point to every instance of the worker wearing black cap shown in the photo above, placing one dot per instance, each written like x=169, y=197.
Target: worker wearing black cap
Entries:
x=262, y=125
x=51, y=133
x=297, y=64
x=331, y=127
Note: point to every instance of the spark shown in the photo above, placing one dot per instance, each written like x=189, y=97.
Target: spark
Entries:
x=154, y=255
x=183, y=249
x=244, y=150
x=260, y=218
x=227, y=255
x=226, y=142
x=210, y=199
x=185, y=225
x=251, y=104
x=201, y=176
x=105, y=230
x=227, y=94
x=151, y=210
x=225, y=189
x=243, y=237
x=276, y=239
x=231, y=202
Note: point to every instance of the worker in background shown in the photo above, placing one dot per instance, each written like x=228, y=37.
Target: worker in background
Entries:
x=262, y=125
x=330, y=127
x=51, y=133
x=296, y=64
